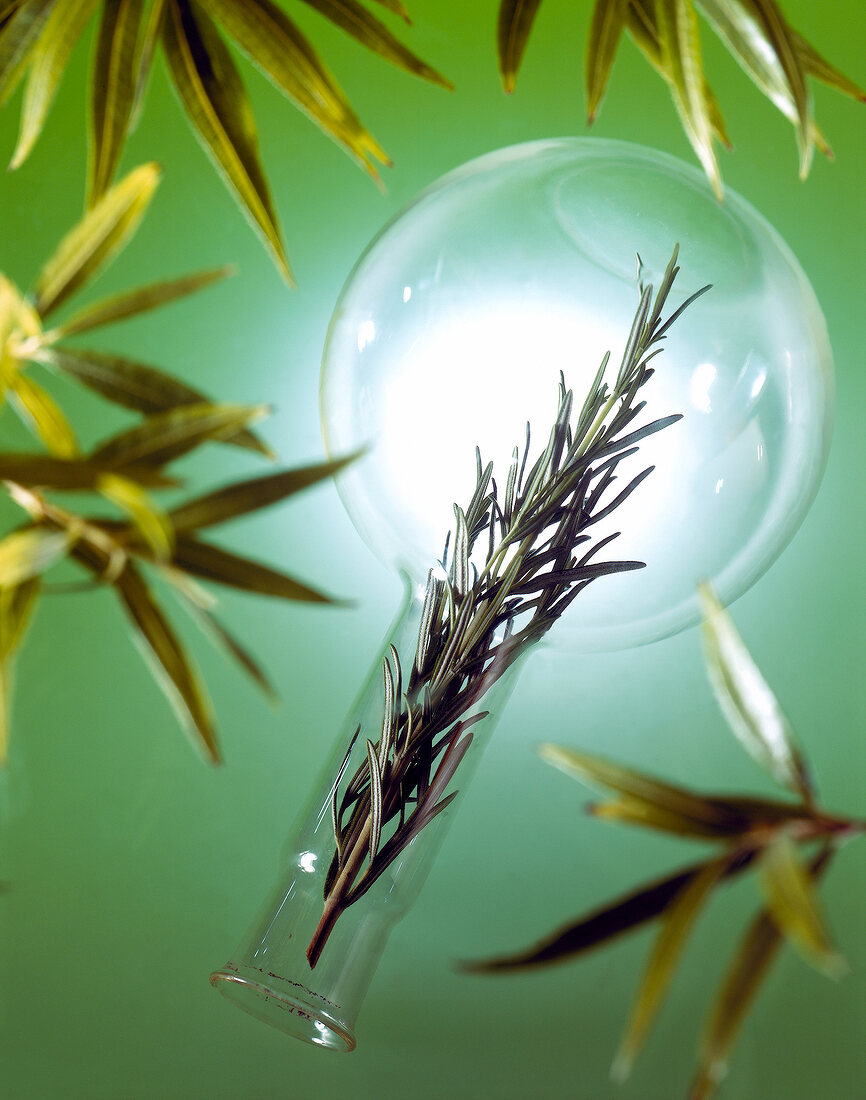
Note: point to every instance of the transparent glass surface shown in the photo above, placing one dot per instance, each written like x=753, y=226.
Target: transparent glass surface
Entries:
x=455, y=324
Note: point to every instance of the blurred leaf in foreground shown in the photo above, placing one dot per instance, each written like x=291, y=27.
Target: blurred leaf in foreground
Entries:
x=776, y=58
x=128, y=468
x=753, y=833
x=38, y=37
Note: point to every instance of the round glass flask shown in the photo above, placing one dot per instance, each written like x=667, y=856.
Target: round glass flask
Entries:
x=451, y=334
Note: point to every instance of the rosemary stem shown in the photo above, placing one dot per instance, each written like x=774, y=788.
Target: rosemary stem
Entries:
x=334, y=906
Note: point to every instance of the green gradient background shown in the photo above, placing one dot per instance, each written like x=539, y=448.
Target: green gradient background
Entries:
x=134, y=868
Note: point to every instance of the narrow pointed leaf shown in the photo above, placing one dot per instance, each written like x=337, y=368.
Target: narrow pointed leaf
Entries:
x=112, y=91
x=746, y=700
x=168, y=435
x=676, y=926
x=817, y=66
x=355, y=20
x=605, y=32
x=19, y=38
x=44, y=416
x=642, y=788
x=795, y=908
x=100, y=234
x=216, y=102
x=605, y=924
x=681, y=58
x=149, y=38
x=276, y=46
x=750, y=965
x=375, y=800
x=29, y=553
x=633, y=811
x=133, y=302
x=47, y=61
x=152, y=522
x=248, y=496
x=47, y=472
x=397, y=8
x=211, y=563
x=163, y=643
x=137, y=386
x=212, y=626
x=514, y=26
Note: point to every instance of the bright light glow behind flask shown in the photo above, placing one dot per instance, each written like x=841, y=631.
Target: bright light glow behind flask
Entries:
x=456, y=322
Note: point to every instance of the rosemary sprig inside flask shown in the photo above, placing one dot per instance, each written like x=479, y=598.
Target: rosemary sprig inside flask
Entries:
x=513, y=563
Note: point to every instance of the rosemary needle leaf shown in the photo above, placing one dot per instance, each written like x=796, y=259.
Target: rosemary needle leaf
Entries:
x=168, y=435
x=243, y=497
x=214, y=97
x=677, y=924
x=514, y=25
x=375, y=800
x=150, y=36
x=605, y=32
x=43, y=415
x=794, y=907
x=356, y=21
x=817, y=66
x=747, y=701
x=48, y=472
x=27, y=553
x=211, y=563
x=100, y=234
x=133, y=302
x=164, y=645
x=137, y=386
x=47, y=61
x=633, y=811
x=112, y=94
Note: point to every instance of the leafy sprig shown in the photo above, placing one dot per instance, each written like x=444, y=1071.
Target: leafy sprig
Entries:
x=518, y=558
x=760, y=834
x=777, y=59
x=127, y=468
x=38, y=37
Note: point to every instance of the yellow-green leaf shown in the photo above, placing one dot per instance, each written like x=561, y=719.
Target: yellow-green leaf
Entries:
x=249, y=496
x=736, y=995
x=137, y=386
x=112, y=90
x=633, y=811
x=44, y=416
x=214, y=97
x=142, y=509
x=356, y=21
x=75, y=474
x=149, y=39
x=642, y=788
x=100, y=234
x=168, y=435
x=133, y=302
x=182, y=681
x=794, y=906
x=681, y=58
x=210, y=563
x=676, y=927
x=746, y=700
x=605, y=31
x=514, y=26
x=19, y=38
x=16, y=609
x=276, y=46
x=28, y=553
x=48, y=59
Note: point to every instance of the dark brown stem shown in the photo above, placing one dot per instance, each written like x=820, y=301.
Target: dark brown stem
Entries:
x=335, y=901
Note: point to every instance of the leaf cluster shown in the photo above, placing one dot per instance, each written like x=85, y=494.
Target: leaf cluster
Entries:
x=761, y=834
x=517, y=560
x=37, y=39
x=777, y=59
x=126, y=469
